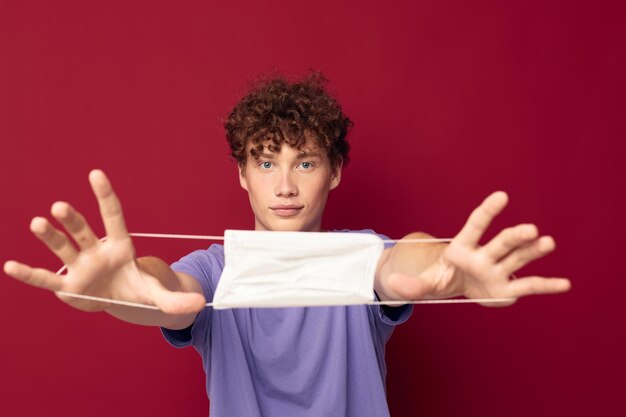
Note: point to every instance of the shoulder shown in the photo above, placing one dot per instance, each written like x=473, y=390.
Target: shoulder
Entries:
x=211, y=257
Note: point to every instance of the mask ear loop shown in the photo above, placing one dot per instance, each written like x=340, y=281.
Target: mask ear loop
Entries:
x=211, y=237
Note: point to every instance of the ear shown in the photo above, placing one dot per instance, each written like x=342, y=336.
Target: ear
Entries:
x=335, y=179
x=242, y=177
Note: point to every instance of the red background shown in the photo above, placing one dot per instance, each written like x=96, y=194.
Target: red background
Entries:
x=451, y=101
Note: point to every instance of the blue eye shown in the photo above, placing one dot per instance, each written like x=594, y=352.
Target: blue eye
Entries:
x=306, y=165
x=266, y=165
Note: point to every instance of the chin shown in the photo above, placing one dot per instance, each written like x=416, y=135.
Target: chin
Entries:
x=286, y=225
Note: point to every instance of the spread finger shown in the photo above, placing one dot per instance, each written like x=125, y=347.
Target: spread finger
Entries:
x=509, y=239
x=528, y=253
x=75, y=225
x=37, y=277
x=481, y=218
x=56, y=241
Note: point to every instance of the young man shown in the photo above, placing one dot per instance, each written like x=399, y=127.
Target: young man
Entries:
x=290, y=143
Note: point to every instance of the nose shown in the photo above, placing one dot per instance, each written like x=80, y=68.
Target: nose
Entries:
x=287, y=184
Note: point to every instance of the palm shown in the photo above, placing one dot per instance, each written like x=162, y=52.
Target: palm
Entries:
x=479, y=278
x=97, y=271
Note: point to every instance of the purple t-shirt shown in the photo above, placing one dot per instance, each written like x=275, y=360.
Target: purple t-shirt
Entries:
x=312, y=361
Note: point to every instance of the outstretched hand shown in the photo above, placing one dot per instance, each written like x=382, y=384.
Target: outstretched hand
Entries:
x=102, y=268
x=465, y=268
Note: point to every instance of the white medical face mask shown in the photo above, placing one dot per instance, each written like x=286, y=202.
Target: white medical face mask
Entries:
x=316, y=269
x=290, y=269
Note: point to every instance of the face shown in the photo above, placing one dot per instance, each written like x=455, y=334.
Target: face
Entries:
x=288, y=189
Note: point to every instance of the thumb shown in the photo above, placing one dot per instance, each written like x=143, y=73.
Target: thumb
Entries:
x=407, y=287
x=176, y=302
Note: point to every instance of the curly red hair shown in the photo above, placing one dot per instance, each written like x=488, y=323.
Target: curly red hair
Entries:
x=277, y=111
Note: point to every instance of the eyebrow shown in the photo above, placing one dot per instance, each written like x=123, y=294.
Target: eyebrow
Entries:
x=302, y=155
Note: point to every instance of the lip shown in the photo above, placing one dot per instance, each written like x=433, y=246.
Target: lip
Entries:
x=286, y=210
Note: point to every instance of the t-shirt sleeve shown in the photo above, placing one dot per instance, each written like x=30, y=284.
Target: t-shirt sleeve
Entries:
x=205, y=266
x=391, y=316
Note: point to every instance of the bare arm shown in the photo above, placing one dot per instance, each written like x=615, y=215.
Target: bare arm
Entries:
x=410, y=259
x=414, y=271
x=109, y=269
